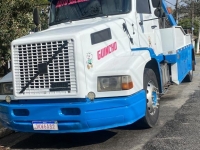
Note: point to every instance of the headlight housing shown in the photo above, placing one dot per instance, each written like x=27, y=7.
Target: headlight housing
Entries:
x=114, y=83
x=6, y=88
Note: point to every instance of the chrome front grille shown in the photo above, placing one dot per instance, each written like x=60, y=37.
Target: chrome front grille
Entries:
x=39, y=66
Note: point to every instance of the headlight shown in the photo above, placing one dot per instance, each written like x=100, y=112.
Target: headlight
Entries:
x=6, y=88
x=114, y=83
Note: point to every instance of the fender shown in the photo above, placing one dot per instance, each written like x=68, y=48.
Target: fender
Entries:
x=159, y=58
x=132, y=65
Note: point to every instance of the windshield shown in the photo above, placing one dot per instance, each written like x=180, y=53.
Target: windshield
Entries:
x=71, y=10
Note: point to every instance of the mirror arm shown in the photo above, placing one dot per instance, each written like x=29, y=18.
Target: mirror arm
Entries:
x=141, y=22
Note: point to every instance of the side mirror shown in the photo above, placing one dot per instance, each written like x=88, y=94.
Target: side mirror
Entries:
x=156, y=3
x=36, y=17
x=159, y=13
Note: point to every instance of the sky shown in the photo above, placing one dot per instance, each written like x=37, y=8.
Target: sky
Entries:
x=170, y=1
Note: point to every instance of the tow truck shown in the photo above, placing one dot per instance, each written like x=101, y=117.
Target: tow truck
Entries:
x=101, y=64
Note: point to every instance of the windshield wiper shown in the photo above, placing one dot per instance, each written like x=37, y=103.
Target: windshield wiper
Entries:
x=89, y=16
x=59, y=21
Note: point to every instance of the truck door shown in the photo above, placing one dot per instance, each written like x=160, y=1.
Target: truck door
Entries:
x=148, y=26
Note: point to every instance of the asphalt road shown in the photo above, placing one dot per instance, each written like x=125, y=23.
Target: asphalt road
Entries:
x=177, y=128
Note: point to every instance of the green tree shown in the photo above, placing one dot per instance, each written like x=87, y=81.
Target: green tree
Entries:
x=189, y=14
x=189, y=7
x=186, y=24
x=16, y=21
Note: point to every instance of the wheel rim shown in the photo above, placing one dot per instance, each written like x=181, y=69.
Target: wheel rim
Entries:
x=152, y=98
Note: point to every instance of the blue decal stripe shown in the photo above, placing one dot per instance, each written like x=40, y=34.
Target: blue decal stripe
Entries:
x=184, y=62
x=159, y=58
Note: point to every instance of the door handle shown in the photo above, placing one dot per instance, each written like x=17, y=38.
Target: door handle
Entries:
x=153, y=27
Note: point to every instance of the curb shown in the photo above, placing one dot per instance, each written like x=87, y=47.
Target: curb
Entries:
x=4, y=131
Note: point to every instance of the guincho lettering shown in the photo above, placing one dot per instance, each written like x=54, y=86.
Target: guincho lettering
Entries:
x=61, y=3
x=106, y=50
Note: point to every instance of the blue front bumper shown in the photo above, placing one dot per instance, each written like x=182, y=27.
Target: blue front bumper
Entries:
x=82, y=116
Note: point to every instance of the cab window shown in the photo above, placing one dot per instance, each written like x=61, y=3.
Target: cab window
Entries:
x=143, y=6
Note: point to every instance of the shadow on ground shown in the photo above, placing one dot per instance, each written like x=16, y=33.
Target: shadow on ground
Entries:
x=60, y=141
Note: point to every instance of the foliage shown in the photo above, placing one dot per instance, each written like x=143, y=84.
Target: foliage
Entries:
x=186, y=24
x=189, y=14
x=189, y=7
x=16, y=21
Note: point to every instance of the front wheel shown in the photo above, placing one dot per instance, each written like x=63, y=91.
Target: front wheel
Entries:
x=150, y=85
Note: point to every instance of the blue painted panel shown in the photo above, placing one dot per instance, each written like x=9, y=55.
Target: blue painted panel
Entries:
x=101, y=114
x=183, y=58
x=171, y=59
x=184, y=62
x=159, y=58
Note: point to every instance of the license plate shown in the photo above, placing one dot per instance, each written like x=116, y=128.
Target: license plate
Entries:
x=45, y=125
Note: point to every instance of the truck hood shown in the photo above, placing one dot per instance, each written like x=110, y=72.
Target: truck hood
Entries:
x=64, y=30
x=84, y=57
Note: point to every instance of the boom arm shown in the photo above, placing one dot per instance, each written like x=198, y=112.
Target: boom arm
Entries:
x=169, y=16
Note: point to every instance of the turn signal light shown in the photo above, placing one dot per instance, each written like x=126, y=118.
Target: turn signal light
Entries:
x=127, y=83
x=127, y=86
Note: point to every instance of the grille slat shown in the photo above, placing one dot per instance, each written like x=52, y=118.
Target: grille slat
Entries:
x=27, y=57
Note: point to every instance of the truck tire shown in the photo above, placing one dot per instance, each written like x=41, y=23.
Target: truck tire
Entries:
x=150, y=85
x=189, y=76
